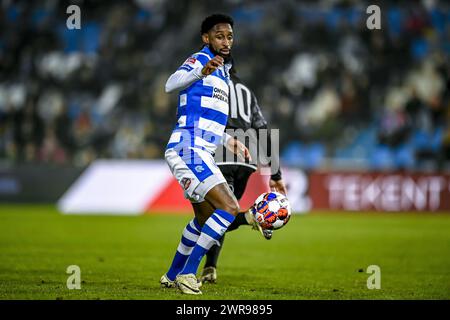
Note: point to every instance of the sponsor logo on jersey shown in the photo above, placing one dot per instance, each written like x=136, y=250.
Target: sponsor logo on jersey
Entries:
x=220, y=94
x=190, y=60
x=185, y=182
x=199, y=169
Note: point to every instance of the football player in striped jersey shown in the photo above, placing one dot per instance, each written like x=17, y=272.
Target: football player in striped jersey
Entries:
x=202, y=114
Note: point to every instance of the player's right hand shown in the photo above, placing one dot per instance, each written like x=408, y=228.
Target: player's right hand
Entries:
x=212, y=65
x=238, y=148
x=278, y=186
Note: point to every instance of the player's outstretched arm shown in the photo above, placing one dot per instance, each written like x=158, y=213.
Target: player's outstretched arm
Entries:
x=192, y=70
x=182, y=79
x=276, y=182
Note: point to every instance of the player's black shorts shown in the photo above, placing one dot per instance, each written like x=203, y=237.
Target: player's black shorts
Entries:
x=237, y=177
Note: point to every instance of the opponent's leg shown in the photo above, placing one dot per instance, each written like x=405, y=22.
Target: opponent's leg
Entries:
x=247, y=218
x=209, y=273
x=242, y=218
x=241, y=177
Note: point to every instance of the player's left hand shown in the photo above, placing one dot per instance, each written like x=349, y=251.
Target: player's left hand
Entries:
x=278, y=186
x=237, y=147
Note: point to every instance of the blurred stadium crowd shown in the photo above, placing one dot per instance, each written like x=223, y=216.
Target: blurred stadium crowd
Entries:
x=341, y=95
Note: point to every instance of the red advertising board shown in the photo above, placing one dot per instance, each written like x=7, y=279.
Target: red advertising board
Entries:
x=380, y=191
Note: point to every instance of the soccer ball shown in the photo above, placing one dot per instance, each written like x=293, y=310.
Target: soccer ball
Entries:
x=272, y=210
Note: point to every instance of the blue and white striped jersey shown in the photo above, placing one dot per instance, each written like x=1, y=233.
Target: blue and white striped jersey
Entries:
x=202, y=106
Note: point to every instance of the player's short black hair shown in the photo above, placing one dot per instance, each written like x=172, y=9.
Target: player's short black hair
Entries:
x=214, y=19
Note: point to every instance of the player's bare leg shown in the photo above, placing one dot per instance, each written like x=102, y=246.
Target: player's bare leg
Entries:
x=219, y=197
x=202, y=211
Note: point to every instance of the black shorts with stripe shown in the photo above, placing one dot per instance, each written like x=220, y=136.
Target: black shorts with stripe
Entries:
x=237, y=177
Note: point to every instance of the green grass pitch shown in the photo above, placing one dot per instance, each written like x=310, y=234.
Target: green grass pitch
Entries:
x=316, y=256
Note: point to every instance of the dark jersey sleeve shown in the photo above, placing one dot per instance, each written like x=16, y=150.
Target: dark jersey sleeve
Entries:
x=259, y=122
x=245, y=114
